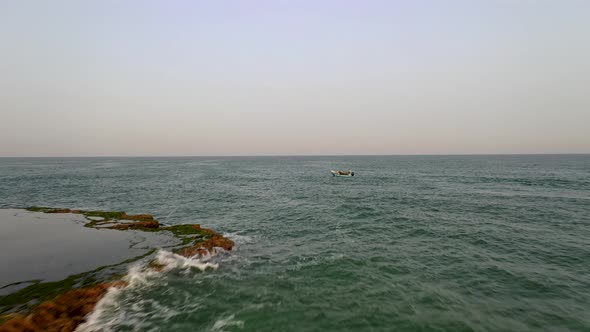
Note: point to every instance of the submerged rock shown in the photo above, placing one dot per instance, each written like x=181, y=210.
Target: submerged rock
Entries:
x=138, y=217
x=38, y=248
x=152, y=224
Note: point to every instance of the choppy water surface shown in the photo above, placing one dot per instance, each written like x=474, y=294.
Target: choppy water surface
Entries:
x=455, y=243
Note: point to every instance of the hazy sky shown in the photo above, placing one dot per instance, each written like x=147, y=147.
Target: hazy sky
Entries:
x=87, y=78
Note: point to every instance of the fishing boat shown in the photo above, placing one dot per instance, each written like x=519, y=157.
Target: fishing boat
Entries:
x=342, y=173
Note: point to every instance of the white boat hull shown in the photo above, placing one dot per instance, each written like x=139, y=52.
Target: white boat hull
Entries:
x=336, y=173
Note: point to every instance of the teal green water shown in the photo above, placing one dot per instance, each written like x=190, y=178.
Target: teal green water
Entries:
x=439, y=243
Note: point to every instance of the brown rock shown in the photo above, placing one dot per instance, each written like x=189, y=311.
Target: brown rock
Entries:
x=17, y=324
x=64, y=313
x=215, y=240
x=138, y=217
x=153, y=224
x=60, y=211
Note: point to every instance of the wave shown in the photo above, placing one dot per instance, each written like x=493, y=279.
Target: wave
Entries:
x=172, y=261
x=227, y=321
x=238, y=238
x=141, y=275
x=95, y=322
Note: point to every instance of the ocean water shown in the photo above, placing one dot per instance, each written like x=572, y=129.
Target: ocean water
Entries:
x=411, y=243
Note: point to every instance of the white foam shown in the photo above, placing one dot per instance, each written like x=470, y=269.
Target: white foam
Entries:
x=173, y=261
x=140, y=276
x=227, y=321
x=136, y=276
x=94, y=320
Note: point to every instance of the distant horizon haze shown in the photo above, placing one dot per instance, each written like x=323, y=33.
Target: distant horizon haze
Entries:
x=195, y=78
x=304, y=155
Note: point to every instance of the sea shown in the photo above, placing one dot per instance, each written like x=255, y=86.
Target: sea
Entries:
x=410, y=243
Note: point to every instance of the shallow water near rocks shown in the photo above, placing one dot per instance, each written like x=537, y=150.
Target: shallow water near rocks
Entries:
x=50, y=247
x=411, y=243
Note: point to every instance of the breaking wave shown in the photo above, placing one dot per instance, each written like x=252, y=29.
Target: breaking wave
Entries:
x=104, y=317
x=172, y=261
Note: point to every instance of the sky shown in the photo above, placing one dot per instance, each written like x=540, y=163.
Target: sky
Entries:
x=184, y=78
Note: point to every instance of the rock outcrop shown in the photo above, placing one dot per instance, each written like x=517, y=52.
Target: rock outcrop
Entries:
x=214, y=240
x=64, y=313
x=151, y=224
x=68, y=310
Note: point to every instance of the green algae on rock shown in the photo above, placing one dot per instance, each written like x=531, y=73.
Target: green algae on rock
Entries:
x=145, y=222
x=30, y=296
x=195, y=240
x=42, y=305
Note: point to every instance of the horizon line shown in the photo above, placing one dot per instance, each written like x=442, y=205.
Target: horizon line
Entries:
x=308, y=155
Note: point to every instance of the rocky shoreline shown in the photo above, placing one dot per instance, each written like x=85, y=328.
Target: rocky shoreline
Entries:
x=64, y=305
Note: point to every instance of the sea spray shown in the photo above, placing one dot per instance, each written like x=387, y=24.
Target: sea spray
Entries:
x=171, y=261
x=94, y=321
x=141, y=275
